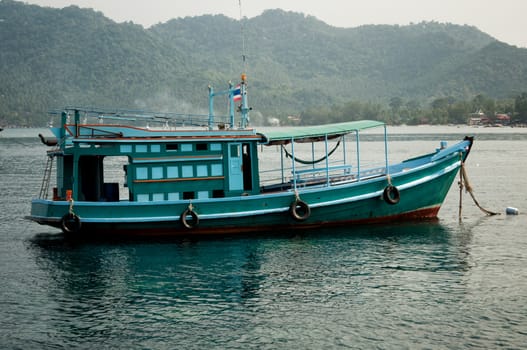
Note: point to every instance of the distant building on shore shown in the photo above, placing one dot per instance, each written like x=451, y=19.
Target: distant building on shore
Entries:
x=480, y=119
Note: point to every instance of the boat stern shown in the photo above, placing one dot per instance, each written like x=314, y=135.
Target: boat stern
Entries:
x=46, y=212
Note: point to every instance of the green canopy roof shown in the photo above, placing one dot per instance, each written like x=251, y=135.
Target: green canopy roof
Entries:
x=316, y=132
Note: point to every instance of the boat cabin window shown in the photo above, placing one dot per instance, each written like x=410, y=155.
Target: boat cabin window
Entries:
x=141, y=148
x=235, y=151
x=172, y=146
x=201, y=147
x=188, y=195
x=186, y=147
x=218, y=193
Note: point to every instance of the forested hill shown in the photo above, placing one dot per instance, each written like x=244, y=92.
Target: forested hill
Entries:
x=55, y=57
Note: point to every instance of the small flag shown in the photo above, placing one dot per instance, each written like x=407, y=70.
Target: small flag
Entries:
x=237, y=93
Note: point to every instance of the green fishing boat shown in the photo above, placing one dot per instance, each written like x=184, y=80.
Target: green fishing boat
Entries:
x=192, y=175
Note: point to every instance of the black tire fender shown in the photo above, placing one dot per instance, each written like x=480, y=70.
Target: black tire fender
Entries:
x=70, y=223
x=391, y=195
x=299, y=210
x=194, y=218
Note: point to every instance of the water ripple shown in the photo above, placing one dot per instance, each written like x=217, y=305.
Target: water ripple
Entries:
x=439, y=285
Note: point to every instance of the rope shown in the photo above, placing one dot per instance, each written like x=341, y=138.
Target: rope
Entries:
x=309, y=162
x=71, y=207
x=464, y=182
x=297, y=196
x=460, y=183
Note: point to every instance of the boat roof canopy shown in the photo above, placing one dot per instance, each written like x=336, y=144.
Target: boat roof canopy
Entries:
x=315, y=133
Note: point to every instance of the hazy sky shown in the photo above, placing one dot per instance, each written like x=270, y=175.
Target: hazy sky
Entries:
x=503, y=19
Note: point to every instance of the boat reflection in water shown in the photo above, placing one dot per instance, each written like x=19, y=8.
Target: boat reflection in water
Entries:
x=203, y=292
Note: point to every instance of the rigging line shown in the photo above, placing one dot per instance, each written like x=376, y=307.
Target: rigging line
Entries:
x=289, y=155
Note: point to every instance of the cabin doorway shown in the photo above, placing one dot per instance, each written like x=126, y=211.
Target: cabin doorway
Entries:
x=90, y=178
x=116, y=178
x=102, y=178
x=247, y=168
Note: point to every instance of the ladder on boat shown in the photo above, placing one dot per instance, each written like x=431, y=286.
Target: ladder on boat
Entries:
x=44, y=188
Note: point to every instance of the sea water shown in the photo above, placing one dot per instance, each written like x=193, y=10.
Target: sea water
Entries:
x=450, y=284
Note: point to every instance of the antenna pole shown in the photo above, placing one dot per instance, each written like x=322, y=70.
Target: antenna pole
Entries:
x=243, y=38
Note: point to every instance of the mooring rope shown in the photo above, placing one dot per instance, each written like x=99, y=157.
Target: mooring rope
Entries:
x=71, y=207
x=464, y=183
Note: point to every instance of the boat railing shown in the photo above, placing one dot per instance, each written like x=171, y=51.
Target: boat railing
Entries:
x=371, y=173
x=271, y=177
x=138, y=118
x=309, y=173
x=319, y=176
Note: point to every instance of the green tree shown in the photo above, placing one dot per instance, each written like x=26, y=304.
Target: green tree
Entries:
x=485, y=104
x=505, y=106
x=440, y=103
x=520, y=107
x=396, y=103
x=458, y=112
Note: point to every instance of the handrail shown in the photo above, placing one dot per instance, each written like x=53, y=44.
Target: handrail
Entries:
x=134, y=116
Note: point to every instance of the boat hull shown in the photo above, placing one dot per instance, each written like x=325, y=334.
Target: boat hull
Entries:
x=421, y=192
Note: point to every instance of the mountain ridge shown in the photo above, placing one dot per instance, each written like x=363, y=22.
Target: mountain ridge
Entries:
x=55, y=57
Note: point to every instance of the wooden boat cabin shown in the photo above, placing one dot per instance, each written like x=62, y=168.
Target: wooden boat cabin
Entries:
x=157, y=164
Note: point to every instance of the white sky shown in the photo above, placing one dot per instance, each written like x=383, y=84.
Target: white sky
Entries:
x=505, y=20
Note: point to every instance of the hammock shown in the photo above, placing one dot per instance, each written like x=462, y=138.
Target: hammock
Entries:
x=315, y=161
